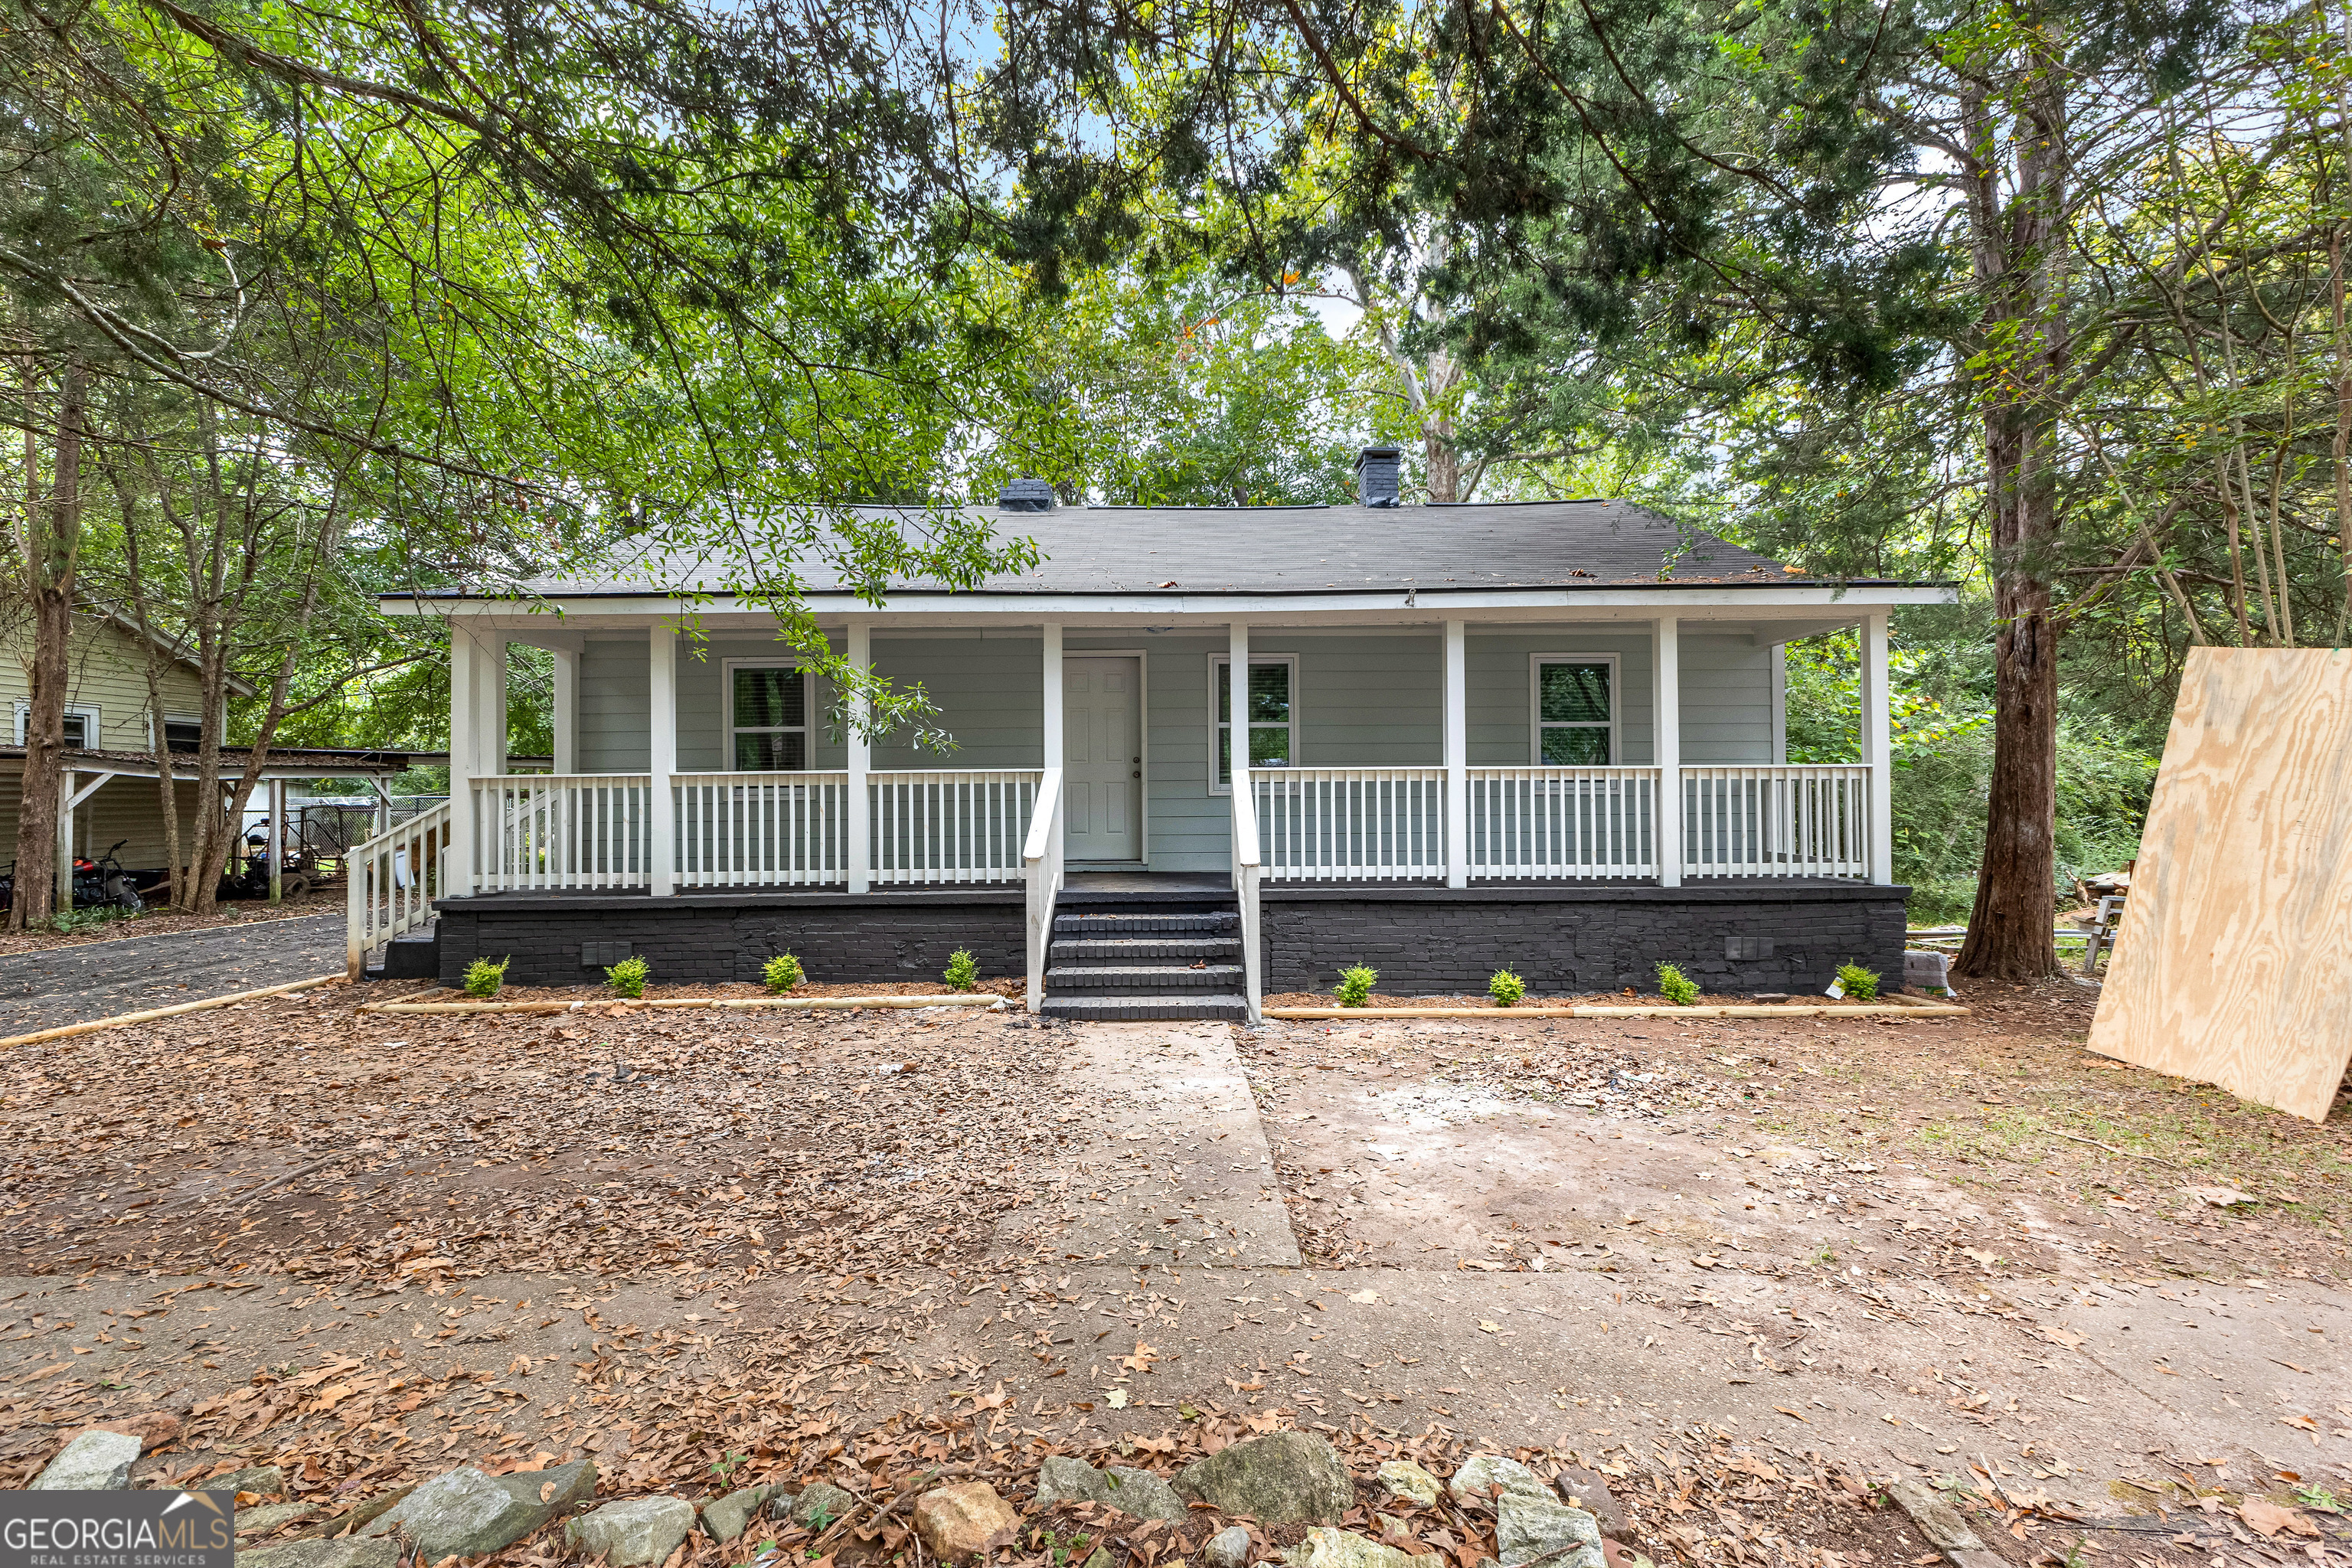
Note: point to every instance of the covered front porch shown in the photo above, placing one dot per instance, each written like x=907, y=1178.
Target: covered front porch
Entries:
x=1517, y=752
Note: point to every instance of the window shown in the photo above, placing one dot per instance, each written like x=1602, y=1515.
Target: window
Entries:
x=82, y=726
x=767, y=718
x=1273, y=715
x=1575, y=711
x=183, y=735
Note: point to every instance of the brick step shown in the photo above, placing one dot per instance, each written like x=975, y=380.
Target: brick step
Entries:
x=1115, y=1007
x=1127, y=924
x=1136, y=950
x=1144, y=977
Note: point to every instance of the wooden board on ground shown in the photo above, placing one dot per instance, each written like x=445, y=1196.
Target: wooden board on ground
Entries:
x=2233, y=963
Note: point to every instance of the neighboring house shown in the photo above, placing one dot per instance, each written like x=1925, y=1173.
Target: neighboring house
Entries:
x=109, y=785
x=1543, y=735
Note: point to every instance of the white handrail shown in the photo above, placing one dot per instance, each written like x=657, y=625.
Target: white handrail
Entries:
x=1544, y=823
x=1331, y=825
x=1247, y=872
x=390, y=881
x=1041, y=870
x=1777, y=820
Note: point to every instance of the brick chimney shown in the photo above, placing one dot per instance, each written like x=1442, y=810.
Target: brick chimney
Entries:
x=1026, y=495
x=1378, y=478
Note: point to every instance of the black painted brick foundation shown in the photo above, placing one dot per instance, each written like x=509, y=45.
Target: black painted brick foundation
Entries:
x=1430, y=941
x=716, y=938
x=1424, y=940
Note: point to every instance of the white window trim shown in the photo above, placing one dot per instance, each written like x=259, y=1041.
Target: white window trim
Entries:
x=1536, y=662
x=92, y=735
x=1224, y=785
x=148, y=717
x=727, y=710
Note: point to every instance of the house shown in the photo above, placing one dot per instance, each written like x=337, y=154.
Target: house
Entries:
x=107, y=793
x=1546, y=736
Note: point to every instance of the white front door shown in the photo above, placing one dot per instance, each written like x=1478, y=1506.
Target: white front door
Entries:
x=1102, y=758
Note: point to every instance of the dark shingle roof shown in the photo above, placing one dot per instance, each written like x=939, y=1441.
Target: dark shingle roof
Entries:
x=1262, y=550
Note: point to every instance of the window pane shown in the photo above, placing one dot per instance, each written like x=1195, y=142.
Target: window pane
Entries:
x=1577, y=748
x=770, y=752
x=183, y=736
x=75, y=735
x=1224, y=692
x=767, y=698
x=1269, y=746
x=1224, y=754
x=1269, y=693
x=1575, y=693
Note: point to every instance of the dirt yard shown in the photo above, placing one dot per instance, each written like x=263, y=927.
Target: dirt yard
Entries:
x=1751, y=1272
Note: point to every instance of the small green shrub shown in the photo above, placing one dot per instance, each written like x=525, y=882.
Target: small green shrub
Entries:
x=1676, y=986
x=1356, y=984
x=1506, y=988
x=1861, y=984
x=629, y=976
x=963, y=971
x=784, y=972
x=483, y=978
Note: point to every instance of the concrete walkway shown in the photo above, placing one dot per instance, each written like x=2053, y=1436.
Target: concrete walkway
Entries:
x=97, y=980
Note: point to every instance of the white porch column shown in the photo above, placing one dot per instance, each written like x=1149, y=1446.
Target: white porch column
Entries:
x=1877, y=748
x=465, y=732
x=65, y=841
x=1051, y=728
x=1237, y=697
x=277, y=841
x=861, y=763
x=661, y=836
x=1667, y=748
x=494, y=705
x=1457, y=758
x=566, y=716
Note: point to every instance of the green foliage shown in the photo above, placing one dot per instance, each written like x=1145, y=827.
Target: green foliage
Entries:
x=483, y=979
x=628, y=977
x=783, y=973
x=1676, y=986
x=1942, y=756
x=1356, y=984
x=1861, y=984
x=1505, y=988
x=962, y=971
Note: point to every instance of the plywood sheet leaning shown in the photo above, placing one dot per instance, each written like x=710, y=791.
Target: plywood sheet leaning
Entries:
x=2233, y=963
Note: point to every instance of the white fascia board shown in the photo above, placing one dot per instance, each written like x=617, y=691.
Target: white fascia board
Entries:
x=586, y=614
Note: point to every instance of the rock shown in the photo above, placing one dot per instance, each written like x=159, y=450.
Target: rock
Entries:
x=1940, y=1523
x=153, y=1428
x=1406, y=1478
x=632, y=1533
x=1532, y=1527
x=321, y=1554
x=1122, y=1486
x=1325, y=1548
x=270, y=1515
x=1100, y=1558
x=1283, y=1477
x=1481, y=1473
x=1580, y=1487
x=93, y=1462
x=465, y=1513
x=1229, y=1548
x=959, y=1523
x=732, y=1515
x=261, y=1481
x=821, y=1501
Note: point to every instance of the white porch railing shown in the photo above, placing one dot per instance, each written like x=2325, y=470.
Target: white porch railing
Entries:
x=1558, y=822
x=762, y=830
x=950, y=824
x=571, y=832
x=1248, y=867
x=392, y=880
x=1777, y=821
x=1041, y=869
x=1354, y=824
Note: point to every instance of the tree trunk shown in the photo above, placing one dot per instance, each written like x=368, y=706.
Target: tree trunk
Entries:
x=53, y=550
x=2020, y=261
